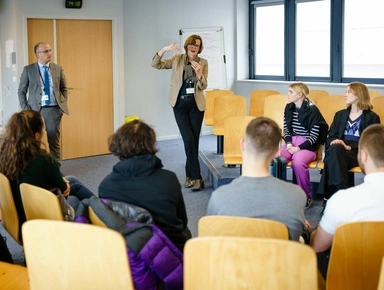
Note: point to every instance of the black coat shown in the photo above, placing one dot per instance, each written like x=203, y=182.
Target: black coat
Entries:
x=309, y=115
x=337, y=128
x=141, y=181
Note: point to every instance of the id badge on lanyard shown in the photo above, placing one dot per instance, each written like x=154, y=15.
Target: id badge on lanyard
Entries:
x=190, y=90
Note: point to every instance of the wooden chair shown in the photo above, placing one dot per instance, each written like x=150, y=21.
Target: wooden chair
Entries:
x=235, y=226
x=381, y=280
x=316, y=95
x=374, y=94
x=328, y=106
x=94, y=219
x=209, y=98
x=378, y=107
x=40, y=203
x=10, y=219
x=234, y=130
x=248, y=263
x=13, y=277
x=64, y=255
x=257, y=98
x=274, y=108
x=226, y=106
x=356, y=256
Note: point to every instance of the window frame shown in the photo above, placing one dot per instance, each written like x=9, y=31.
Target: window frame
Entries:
x=336, y=44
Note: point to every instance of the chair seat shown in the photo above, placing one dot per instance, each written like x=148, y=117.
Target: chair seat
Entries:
x=13, y=276
x=311, y=165
x=356, y=169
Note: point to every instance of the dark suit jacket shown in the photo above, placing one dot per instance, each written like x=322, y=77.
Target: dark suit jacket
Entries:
x=176, y=63
x=340, y=120
x=30, y=81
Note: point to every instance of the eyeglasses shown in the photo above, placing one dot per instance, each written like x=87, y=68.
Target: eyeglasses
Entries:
x=195, y=45
x=45, y=51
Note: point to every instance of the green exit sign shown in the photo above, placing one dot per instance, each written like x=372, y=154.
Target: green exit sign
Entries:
x=73, y=3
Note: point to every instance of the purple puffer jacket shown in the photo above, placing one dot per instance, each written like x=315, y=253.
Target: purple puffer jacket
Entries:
x=152, y=256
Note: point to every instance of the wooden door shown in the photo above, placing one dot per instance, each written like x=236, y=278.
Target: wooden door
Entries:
x=84, y=49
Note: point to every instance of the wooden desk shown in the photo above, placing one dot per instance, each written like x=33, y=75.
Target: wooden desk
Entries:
x=13, y=277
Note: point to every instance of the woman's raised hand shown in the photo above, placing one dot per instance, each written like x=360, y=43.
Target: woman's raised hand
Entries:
x=172, y=47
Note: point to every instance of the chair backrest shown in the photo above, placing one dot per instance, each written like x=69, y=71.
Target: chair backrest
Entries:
x=381, y=280
x=248, y=263
x=234, y=130
x=94, y=219
x=328, y=106
x=316, y=95
x=227, y=106
x=374, y=94
x=242, y=227
x=274, y=106
x=356, y=256
x=65, y=255
x=209, y=98
x=40, y=203
x=378, y=107
x=9, y=217
x=256, y=103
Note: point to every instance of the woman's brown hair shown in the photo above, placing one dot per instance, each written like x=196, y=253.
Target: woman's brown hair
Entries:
x=132, y=139
x=20, y=146
x=362, y=93
x=192, y=40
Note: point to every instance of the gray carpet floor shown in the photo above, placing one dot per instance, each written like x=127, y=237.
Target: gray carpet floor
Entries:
x=92, y=170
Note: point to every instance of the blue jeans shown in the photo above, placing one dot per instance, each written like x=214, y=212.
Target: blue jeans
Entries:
x=78, y=191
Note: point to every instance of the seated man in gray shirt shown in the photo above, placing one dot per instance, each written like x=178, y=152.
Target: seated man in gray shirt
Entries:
x=256, y=193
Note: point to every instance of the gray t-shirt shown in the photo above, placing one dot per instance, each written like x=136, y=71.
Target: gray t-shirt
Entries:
x=262, y=197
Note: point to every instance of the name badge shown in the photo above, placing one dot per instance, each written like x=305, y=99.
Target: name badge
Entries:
x=190, y=91
x=44, y=98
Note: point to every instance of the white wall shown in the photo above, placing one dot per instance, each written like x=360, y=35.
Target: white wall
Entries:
x=149, y=26
x=142, y=27
x=13, y=15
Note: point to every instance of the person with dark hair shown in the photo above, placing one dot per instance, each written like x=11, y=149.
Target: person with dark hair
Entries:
x=186, y=96
x=364, y=202
x=46, y=86
x=303, y=125
x=24, y=160
x=341, y=146
x=256, y=193
x=138, y=179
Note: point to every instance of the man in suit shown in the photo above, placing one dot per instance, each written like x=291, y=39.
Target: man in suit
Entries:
x=47, y=94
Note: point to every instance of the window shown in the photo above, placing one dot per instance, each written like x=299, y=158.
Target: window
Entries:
x=363, y=39
x=317, y=40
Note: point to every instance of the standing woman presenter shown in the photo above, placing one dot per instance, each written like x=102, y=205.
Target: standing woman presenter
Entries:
x=186, y=96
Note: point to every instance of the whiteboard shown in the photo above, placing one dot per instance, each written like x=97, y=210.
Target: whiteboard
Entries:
x=213, y=52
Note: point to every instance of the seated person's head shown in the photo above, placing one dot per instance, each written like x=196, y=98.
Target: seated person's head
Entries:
x=362, y=93
x=262, y=138
x=21, y=142
x=300, y=88
x=24, y=125
x=132, y=139
x=372, y=143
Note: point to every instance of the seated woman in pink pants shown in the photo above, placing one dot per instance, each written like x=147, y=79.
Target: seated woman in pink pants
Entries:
x=304, y=129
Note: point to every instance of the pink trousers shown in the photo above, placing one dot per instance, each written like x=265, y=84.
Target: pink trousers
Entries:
x=299, y=163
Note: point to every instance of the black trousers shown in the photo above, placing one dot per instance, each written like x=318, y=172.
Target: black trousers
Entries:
x=189, y=120
x=337, y=162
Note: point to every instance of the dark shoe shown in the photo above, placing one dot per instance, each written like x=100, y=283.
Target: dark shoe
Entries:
x=308, y=203
x=324, y=205
x=199, y=184
x=188, y=182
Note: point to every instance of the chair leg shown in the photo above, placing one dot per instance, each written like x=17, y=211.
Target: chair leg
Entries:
x=220, y=145
x=351, y=179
